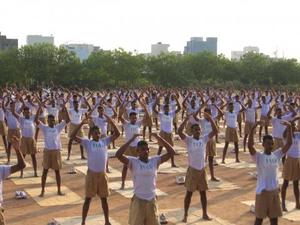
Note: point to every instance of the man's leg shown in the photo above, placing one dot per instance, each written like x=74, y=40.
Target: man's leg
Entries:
x=144, y=132
x=105, y=210
x=224, y=152
x=21, y=172
x=81, y=152
x=159, y=150
x=58, y=182
x=236, y=149
x=124, y=174
x=44, y=178
x=204, y=205
x=69, y=148
x=258, y=221
x=34, y=164
x=274, y=221
x=85, y=209
x=4, y=141
x=245, y=141
x=211, y=168
x=8, y=152
x=296, y=193
x=283, y=194
x=150, y=131
x=187, y=202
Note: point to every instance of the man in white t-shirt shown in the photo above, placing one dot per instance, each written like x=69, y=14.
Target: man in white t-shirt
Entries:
x=143, y=207
x=196, y=175
x=131, y=128
x=231, y=130
x=52, y=142
x=291, y=167
x=265, y=108
x=267, y=202
x=6, y=170
x=96, y=178
x=76, y=116
x=166, y=125
x=28, y=143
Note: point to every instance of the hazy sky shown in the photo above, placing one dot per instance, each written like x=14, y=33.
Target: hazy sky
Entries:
x=136, y=24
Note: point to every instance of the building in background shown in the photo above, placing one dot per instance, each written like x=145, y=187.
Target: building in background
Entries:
x=39, y=39
x=82, y=51
x=198, y=44
x=6, y=43
x=237, y=55
x=159, y=48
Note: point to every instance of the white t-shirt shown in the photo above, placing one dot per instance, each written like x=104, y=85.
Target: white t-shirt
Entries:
x=265, y=108
x=109, y=111
x=52, y=135
x=27, y=126
x=75, y=117
x=205, y=126
x=166, y=121
x=294, y=150
x=250, y=115
x=101, y=122
x=12, y=122
x=278, y=128
x=2, y=114
x=53, y=111
x=131, y=130
x=196, y=151
x=144, y=177
x=267, y=170
x=231, y=119
x=4, y=173
x=97, y=153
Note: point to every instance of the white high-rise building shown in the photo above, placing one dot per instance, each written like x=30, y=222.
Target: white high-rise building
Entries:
x=82, y=51
x=237, y=55
x=157, y=49
x=39, y=39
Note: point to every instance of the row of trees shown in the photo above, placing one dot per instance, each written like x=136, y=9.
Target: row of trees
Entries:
x=118, y=68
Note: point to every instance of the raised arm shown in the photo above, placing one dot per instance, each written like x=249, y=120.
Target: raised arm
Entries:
x=116, y=132
x=251, y=148
x=123, y=148
x=169, y=148
x=289, y=136
x=181, y=134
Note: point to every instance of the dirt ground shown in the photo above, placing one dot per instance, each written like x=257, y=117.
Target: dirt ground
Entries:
x=224, y=204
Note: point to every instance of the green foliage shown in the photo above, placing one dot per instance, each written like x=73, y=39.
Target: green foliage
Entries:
x=44, y=63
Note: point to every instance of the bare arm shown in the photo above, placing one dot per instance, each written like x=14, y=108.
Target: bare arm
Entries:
x=169, y=148
x=289, y=137
x=251, y=148
x=181, y=134
x=116, y=132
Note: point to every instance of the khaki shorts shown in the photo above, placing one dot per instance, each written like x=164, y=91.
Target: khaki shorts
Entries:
x=91, y=123
x=168, y=138
x=131, y=151
x=13, y=132
x=248, y=127
x=264, y=120
x=211, y=148
x=147, y=121
x=154, y=115
x=291, y=169
x=143, y=212
x=267, y=204
x=72, y=128
x=2, y=220
x=52, y=159
x=96, y=183
x=3, y=129
x=175, y=119
x=195, y=180
x=278, y=143
x=239, y=117
x=28, y=146
x=231, y=135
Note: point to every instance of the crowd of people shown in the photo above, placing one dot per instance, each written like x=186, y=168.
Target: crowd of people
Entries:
x=155, y=114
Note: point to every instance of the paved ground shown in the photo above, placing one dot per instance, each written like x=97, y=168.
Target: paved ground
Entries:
x=225, y=204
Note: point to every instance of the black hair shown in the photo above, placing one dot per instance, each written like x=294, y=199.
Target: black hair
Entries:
x=95, y=128
x=132, y=113
x=50, y=116
x=142, y=143
x=194, y=125
x=267, y=137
